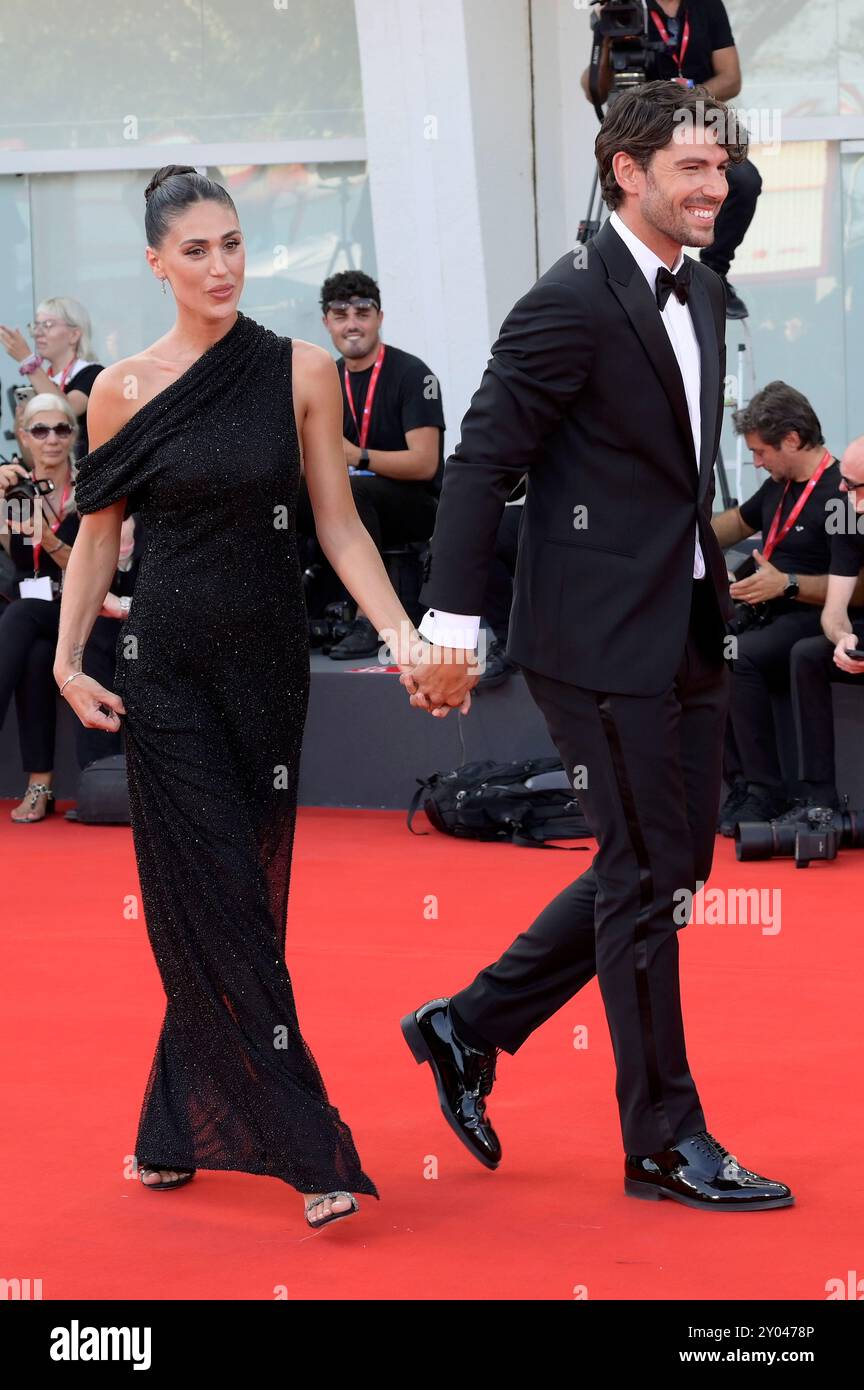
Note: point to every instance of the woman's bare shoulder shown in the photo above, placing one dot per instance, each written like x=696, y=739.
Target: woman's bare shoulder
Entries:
x=310, y=358
x=119, y=390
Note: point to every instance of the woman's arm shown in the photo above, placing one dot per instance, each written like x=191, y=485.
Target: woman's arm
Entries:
x=89, y=573
x=341, y=534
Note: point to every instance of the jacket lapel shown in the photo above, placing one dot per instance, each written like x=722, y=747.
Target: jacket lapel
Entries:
x=709, y=356
x=631, y=289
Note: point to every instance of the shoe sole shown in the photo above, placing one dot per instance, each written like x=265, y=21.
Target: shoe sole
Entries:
x=421, y=1053
x=166, y=1186
x=647, y=1192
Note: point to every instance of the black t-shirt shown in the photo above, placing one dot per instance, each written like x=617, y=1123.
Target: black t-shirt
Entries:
x=407, y=397
x=806, y=549
x=83, y=381
x=709, y=30
x=847, y=553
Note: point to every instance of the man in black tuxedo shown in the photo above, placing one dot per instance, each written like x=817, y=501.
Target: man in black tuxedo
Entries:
x=605, y=387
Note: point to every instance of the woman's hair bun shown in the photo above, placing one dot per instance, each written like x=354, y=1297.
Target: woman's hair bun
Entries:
x=164, y=173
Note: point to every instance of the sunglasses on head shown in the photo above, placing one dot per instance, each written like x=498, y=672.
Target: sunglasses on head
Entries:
x=43, y=431
x=341, y=306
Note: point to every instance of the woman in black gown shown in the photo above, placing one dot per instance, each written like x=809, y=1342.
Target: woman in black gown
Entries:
x=201, y=434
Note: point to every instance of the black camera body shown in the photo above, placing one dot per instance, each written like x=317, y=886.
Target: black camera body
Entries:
x=820, y=839
x=26, y=489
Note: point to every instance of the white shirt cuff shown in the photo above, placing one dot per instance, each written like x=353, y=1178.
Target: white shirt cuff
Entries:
x=450, y=629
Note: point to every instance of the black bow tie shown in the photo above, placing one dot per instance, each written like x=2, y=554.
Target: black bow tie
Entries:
x=667, y=283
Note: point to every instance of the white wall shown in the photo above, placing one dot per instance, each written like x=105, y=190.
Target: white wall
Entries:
x=446, y=90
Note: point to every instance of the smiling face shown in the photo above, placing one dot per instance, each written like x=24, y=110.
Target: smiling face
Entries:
x=355, y=330
x=204, y=258
x=675, y=200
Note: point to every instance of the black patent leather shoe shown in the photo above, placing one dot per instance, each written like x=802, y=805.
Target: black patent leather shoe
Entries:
x=463, y=1077
x=699, y=1172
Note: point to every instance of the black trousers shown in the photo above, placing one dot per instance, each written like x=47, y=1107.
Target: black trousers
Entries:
x=745, y=184
x=761, y=669
x=813, y=673
x=28, y=642
x=653, y=767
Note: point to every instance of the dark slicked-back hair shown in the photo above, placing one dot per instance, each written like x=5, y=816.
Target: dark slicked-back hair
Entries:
x=776, y=411
x=173, y=189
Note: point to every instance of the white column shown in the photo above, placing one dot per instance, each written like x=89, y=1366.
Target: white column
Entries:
x=446, y=90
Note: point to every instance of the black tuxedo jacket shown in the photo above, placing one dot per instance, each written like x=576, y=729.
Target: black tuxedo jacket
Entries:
x=584, y=394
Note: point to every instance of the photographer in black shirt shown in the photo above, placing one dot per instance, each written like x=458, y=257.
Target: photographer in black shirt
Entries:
x=700, y=51
x=819, y=662
x=781, y=600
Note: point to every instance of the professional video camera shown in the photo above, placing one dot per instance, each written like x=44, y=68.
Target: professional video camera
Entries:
x=625, y=24
x=824, y=832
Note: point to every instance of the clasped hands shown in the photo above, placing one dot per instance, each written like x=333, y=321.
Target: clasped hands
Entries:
x=439, y=679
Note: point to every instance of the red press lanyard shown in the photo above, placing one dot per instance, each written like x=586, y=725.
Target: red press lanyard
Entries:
x=664, y=34
x=37, y=547
x=64, y=375
x=363, y=428
x=778, y=533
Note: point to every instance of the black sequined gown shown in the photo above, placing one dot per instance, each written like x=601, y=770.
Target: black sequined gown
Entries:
x=213, y=668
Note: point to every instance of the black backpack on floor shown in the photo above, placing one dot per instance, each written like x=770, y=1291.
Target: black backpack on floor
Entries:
x=103, y=793
x=491, y=801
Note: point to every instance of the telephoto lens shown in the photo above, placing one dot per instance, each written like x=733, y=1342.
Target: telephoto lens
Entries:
x=764, y=839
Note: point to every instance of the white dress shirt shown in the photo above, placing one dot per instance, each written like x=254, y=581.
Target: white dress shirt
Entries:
x=461, y=629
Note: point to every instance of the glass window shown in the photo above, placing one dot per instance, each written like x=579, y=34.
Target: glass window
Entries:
x=301, y=223
x=103, y=75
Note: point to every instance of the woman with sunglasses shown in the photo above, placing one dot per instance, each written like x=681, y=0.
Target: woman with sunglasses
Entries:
x=28, y=625
x=62, y=360
x=38, y=536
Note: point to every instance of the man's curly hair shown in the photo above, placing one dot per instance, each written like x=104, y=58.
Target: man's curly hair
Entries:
x=346, y=284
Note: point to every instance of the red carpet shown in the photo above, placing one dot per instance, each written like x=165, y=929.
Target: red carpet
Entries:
x=774, y=1027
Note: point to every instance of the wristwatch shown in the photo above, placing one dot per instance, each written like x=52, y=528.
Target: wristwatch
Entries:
x=364, y=457
x=792, y=586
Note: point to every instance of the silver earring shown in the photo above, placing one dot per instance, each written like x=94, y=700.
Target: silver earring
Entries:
x=164, y=291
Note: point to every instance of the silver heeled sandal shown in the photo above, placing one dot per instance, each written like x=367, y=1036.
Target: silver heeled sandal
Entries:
x=34, y=791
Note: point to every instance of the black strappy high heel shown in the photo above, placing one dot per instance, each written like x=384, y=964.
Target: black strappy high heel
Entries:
x=185, y=1175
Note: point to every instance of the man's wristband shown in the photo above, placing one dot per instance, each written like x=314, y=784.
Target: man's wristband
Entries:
x=364, y=458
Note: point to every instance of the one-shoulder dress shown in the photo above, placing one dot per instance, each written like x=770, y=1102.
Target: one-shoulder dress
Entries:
x=213, y=669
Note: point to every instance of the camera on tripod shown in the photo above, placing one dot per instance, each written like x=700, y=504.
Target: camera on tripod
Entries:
x=824, y=832
x=625, y=24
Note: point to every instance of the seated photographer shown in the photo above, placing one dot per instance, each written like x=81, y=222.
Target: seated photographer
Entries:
x=698, y=50
x=393, y=433
x=61, y=363
x=37, y=533
x=781, y=600
x=818, y=662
